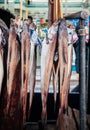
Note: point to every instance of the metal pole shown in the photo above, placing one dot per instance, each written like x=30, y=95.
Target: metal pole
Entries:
x=82, y=78
x=21, y=2
x=66, y=7
x=87, y=74
x=89, y=70
x=5, y=4
x=26, y=12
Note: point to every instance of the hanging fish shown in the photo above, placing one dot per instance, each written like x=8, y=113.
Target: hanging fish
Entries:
x=25, y=61
x=1, y=62
x=56, y=68
x=32, y=74
x=47, y=56
x=12, y=62
x=63, y=63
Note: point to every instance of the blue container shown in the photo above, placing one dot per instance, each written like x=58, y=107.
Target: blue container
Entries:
x=73, y=68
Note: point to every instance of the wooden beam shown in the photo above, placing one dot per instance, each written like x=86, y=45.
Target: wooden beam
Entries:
x=60, y=9
x=50, y=12
x=79, y=15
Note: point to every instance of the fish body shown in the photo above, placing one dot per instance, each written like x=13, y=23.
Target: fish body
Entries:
x=47, y=56
x=12, y=62
x=25, y=56
x=65, y=62
x=63, y=77
x=1, y=62
x=32, y=74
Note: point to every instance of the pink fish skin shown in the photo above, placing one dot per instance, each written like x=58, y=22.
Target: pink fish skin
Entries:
x=12, y=62
x=1, y=62
x=47, y=57
x=25, y=61
x=11, y=95
x=32, y=74
x=65, y=61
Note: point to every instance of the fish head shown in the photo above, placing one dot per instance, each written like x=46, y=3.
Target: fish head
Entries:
x=52, y=31
x=13, y=25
